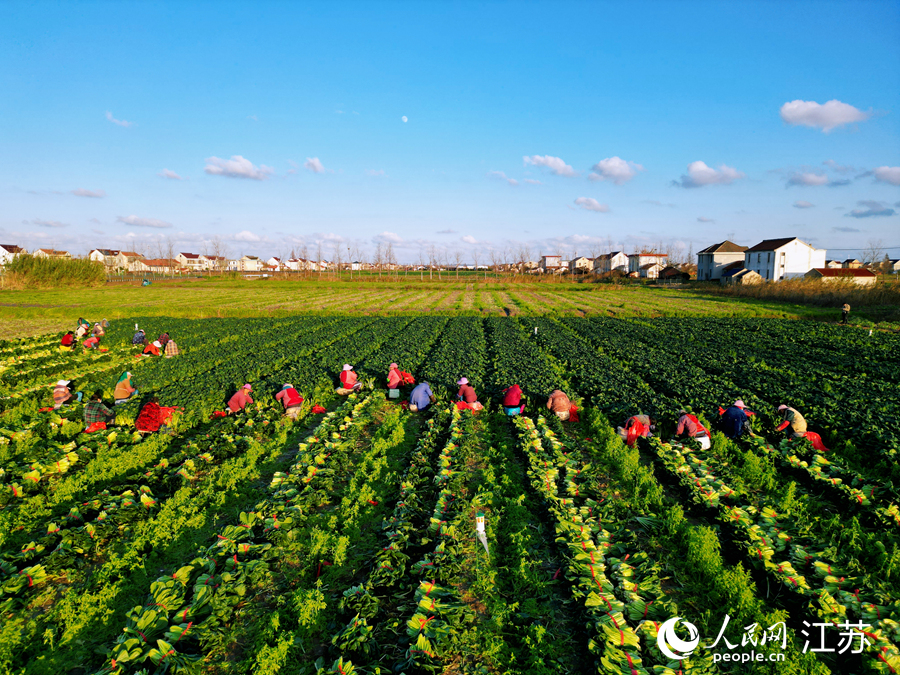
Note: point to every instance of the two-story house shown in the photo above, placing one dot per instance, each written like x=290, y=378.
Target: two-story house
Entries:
x=787, y=258
x=712, y=261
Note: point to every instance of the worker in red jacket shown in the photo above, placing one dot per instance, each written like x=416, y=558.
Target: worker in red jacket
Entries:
x=68, y=340
x=291, y=401
x=153, y=349
x=348, y=378
x=512, y=400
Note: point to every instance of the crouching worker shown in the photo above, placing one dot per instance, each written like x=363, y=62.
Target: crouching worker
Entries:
x=63, y=394
x=154, y=417
x=793, y=419
x=153, y=349
x=349, y=380
x=636, y=426
x=240, y=400
x=68, y=341
x=559, y=404
x=689, y=426
x=421, y=397
x=92, y=342
x=291, y=401
x=512, y=401
x=735, y=420
x=466, y=395
x=394, y=380
x=97, y=415
x=124, y=389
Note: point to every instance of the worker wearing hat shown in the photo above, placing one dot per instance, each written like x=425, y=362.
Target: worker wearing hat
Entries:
x=349, y=381
x=467, y=394
x=291, y=400
x=63, y=394
x=735, y=420
x=793, y=419
x=240, y=399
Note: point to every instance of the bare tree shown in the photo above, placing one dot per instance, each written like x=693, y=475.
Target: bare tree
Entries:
x=475, y=255
x=390, y=259
x=170, y=252
x=873, y=252
x=336, y=259
x=378, y=259
x=496, y=259
x=219, y=250
x=432, y=255
x=304, y=262
x=421, y=264
x=457, y=260
x=319, y=258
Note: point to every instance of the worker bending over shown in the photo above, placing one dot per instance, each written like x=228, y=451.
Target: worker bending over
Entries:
x=791, y=418
x=153, y=417
x=153, y=349
x=68, y=340
x=736, y=421
x=689, y=426
x=421, y=397
x=512, y=400
x=97, y=415
x=636, y=426
x=92, y=342
x=240, y=399
x=171, y=349
x=124, y=389
x=63, y=394
x=291, y=400
x=559, y=404
x=349, y=380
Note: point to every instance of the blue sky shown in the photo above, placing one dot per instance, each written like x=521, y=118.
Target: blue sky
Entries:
x=274, y=125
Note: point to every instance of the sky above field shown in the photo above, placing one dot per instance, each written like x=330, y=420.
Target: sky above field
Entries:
x=564, y=127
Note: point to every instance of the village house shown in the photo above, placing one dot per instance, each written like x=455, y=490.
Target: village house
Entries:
x=833, y=264
x=736, y=273
x=191, y=261
x=616, y=261
x=155, y=265
x=851, y=264
x=550, y=264
x=636, y=261
x=580, y=265
x=675, y=274
x=712, y=261
x=128, y=260
x=51, y=253
x=8, y=252
x=787, y=258
x=106, y=256
x=857, y=276
x=650, y=270
x=250, y=263
x=215, y=262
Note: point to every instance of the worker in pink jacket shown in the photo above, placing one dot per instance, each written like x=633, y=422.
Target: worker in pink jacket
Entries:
x=394, y=377
x=240, y=399
x=291, y=400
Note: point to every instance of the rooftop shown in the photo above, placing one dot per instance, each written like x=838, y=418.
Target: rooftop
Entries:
x=770, y=244
x=724, y=247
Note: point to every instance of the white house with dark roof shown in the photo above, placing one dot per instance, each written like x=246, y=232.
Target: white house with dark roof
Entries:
x=551, y=264
x=650, y=271
x=250, y=263
x=9, y=251
x=611, y=262
x=51, y=253
x=191, y=261
x=712, y=261
x=107, y=256
x=787, y=258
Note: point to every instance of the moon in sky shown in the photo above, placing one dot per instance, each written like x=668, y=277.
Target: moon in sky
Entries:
x=404, y=118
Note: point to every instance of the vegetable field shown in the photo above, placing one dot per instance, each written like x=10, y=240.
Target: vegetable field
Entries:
x=345, y=541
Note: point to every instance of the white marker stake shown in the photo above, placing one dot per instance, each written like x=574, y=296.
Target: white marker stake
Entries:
x=479, y=531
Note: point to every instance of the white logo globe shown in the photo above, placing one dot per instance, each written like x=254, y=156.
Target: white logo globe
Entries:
x=667, y=640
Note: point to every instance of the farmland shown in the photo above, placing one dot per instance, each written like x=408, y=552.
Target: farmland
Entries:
x=29, y=312
x=344, y=542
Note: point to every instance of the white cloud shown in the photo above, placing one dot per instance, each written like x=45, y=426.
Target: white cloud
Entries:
x=803, y=205
x=121, y=123
x=887, y=174
x=469, y=239
x=703, y=219
x=387, y=238
x=96, y=194
x=699, y=174
x=253, y=117
x=808, y=179
x=166, y=173
x=824, y=116
x=45, y=223
x=375, y=172
x=502, y=176
x=446, y=232
x=237, y=167
x=532, y=181
x=590, y=204
x=405, y=119
x=555, y=164
x=656, y=202
x=246, y=235
x=143, y=222
x=314, y=165
x=616, y=170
